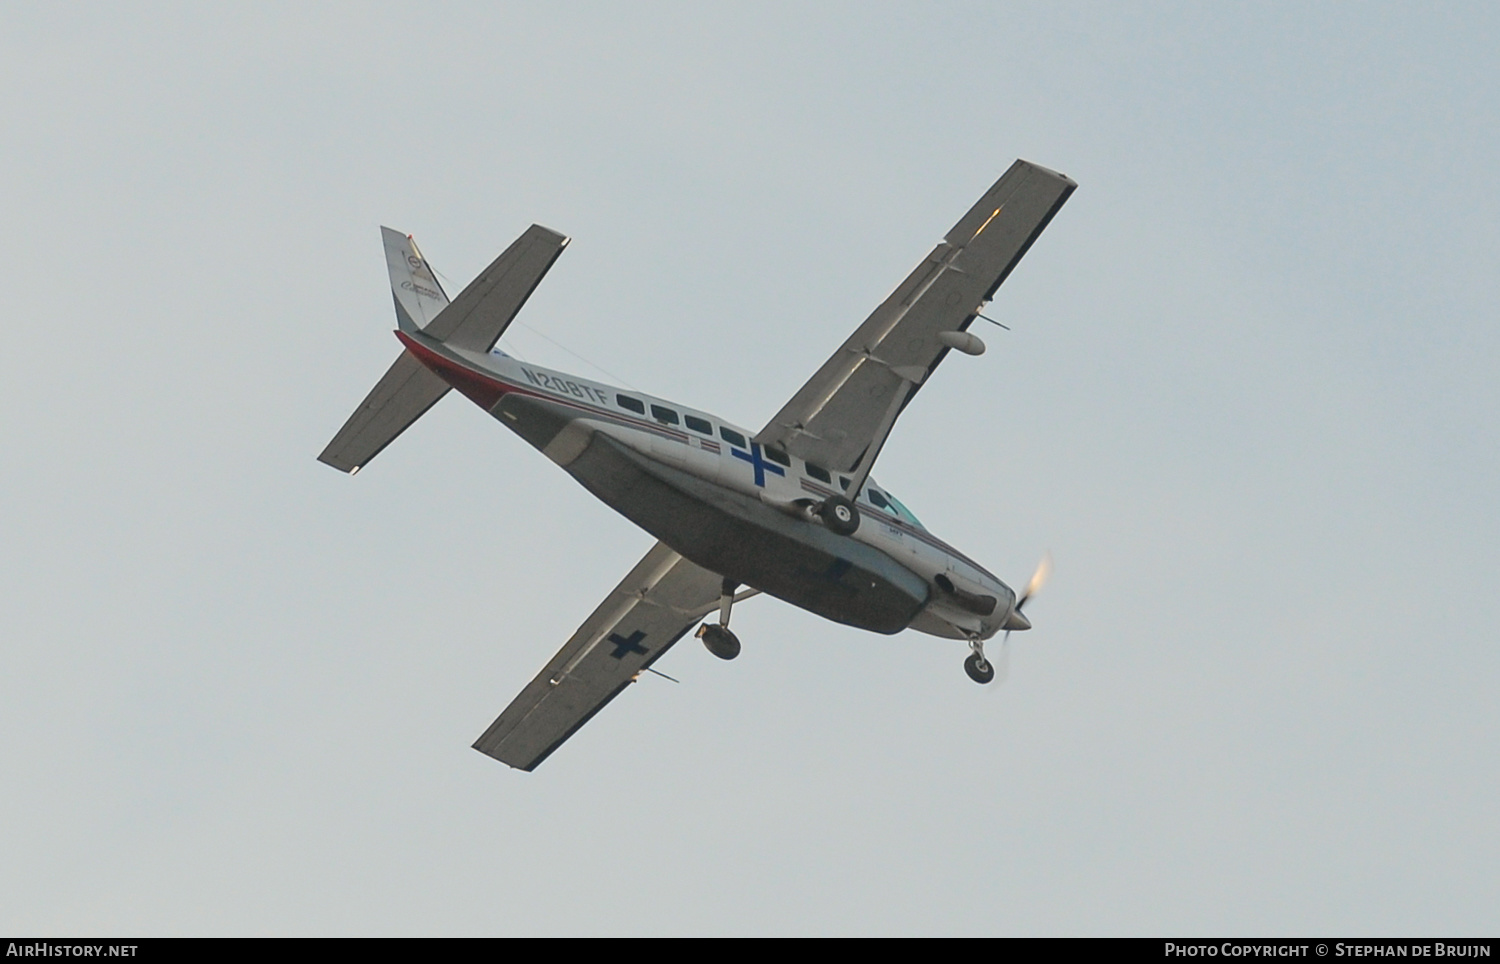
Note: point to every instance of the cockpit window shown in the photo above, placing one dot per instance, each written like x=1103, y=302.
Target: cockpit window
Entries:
x=875, y=497
x=903, y=511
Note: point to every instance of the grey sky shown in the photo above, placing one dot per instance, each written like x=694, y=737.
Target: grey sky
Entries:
x=1248, y=402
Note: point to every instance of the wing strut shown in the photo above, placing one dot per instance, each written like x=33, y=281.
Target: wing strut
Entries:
x=882, y=432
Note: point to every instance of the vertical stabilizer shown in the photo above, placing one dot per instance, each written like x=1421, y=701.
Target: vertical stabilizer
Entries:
x=414, y=286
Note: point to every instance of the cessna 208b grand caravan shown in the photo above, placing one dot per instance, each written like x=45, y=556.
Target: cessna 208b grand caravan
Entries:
x=790, y=510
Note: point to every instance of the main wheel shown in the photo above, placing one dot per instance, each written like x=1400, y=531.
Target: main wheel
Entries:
x=839, y=514
x=719, y=640
x=979, y=670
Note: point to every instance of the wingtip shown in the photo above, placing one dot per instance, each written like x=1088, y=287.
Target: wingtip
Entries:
x=1047, y=170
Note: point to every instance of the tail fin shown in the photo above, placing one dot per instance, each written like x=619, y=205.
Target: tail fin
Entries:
x=419, y=297
x=475, y=321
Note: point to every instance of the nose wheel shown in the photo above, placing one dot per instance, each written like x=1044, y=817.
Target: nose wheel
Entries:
x=980, y=670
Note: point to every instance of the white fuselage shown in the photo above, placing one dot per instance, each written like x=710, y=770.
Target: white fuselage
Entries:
x=717, y=451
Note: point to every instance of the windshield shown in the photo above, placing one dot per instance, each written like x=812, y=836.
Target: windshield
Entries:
x=903, y=511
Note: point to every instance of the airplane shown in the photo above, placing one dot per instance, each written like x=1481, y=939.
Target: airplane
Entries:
x=790, y=511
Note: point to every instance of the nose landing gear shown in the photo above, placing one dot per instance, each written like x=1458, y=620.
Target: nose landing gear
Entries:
x=980, y=670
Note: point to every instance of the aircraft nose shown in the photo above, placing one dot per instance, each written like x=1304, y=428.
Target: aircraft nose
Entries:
x=1016, y=622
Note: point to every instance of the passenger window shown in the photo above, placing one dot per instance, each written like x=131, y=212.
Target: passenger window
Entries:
x=732, y=437
x=778, y=456
x=698, y=424
x=634, y=404
x=821, y=474
x=663, y=414
x=844, y=482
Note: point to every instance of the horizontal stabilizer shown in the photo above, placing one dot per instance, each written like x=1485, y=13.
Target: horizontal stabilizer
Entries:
x=482, y=311
x=407, y=390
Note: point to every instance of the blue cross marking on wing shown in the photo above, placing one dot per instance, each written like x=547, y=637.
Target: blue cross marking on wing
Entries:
x=630, y=645
x=761, y=465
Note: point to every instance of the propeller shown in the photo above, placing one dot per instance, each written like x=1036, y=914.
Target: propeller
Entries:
x=1014, y=619
x=1002, y=665
x=1038, y=580
x=1033, y=586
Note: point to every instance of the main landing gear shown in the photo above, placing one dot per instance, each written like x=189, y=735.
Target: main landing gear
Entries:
x=717, y=638
x=980, y=670
x=839, y=515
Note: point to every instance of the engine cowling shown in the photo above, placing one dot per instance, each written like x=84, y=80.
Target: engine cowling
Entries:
x=980, y=604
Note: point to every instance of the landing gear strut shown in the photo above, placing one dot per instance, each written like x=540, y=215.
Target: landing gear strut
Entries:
x=717, y=638
x=980, y=670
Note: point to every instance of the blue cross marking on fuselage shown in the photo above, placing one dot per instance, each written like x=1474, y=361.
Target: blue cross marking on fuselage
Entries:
x=631, y=645
x=761, y=465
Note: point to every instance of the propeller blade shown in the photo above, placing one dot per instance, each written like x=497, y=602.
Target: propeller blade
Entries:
x=1002, y=665
x=1038, y=580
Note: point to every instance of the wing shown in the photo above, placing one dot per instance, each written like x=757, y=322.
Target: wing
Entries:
x=651, y=609
x=848, y=407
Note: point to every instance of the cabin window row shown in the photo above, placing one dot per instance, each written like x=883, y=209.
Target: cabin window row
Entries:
x=702, y=426
x=668, y=416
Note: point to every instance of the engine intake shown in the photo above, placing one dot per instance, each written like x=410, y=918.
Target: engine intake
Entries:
x=976, y=603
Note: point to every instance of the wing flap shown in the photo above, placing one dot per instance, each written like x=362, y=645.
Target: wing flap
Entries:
x=651, y=608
